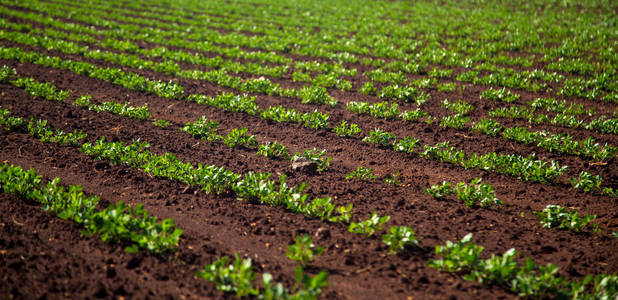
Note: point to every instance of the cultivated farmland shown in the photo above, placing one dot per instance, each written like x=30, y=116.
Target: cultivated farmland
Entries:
x=308, y=149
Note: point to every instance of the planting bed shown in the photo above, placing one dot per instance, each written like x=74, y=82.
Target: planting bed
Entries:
x=174, y=62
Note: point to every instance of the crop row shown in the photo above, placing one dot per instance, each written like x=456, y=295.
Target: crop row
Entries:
x=525, y=168
x=512, y=78
x=527, y=280
x=118, y=223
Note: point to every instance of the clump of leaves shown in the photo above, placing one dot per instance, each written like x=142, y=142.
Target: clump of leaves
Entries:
x=303, y=250
x=238, y=137
x=398, y=237
x=317, y=156
x=586, y=182
x=487, y=126
x=369, y=226
x=203, y=128
x=558, y=216
x=233, y=278
x=160, y=123
x=393, y=179
x=361, y=173
x=345, y=130
x=273, y=149
x=83, y=100
x=380, y=137
x=6, y=73
x=406, y=145
x=475, y=193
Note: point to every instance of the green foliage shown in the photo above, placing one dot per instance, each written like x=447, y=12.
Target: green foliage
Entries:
x=316, y=95
x=44, y=90
x=160, y=123
x=502, y=95
x=203, y=128
x=459, y=108
x=117, y=223
x=317, y=156
x=361, y=173
x=369, y=226
x=527, y=280
x=303, y=250
x=344, y=130
x=83, y=101
x=393, y=179
x=368, y=88
x=236, y=277
x=273, y=149
x=447, y=87
x=525, y=168
x=406, y=145
x=455, y=121
x=558, y=216
x=398, y=237
x=238, y=137
x=472, y=194
x=40, y=130
x=6, y=73
x=487, y=126
x=440, y=191
x=412, y=115
x=586, y=182
x=380, y=137
x=125, y=109
x=8, y=123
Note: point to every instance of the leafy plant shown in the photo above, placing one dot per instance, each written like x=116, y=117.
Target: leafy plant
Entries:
x=398, y=237
x=303, y=250
x=125, y=109
x=236, y=278
x=456, y=121
x=369, y=226
x=345, y=130
x=203, y=128
x=487, y=126
x=273, y=149
x=459, y=108
x=6, y=73
x=502, y=95
x=406, y=145
x=380, y=137
x=361, y=173
x=393, y=179
x=558, y=216
x=315, y=155
x=160, y=123
x=238, y=137
x=586, y=182
x=83, y=100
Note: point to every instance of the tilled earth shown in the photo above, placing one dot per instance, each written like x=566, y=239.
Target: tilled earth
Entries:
x=44, y=257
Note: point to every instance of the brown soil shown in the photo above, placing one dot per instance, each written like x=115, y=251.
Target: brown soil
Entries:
x=44, y=257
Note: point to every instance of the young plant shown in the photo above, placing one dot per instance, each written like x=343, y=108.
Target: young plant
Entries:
x=440, y=191
x=558, y=216
x=393, y=179
x=273, y=149
x=406, y=145
x=477, y=193
x=586, y=182
x=369, y=226
x=203, y=128
x=361, y=173
x=160, y=123
x=236, y=278
x=344, y=130
x=455, y=121
x=238, y=137
x=380, y=137
x=487, y=126
x=83, y=101
x=315, y=155
x=398, y=237
x=303, y=250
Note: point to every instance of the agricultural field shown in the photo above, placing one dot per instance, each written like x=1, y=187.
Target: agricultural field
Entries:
x=177, y=149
